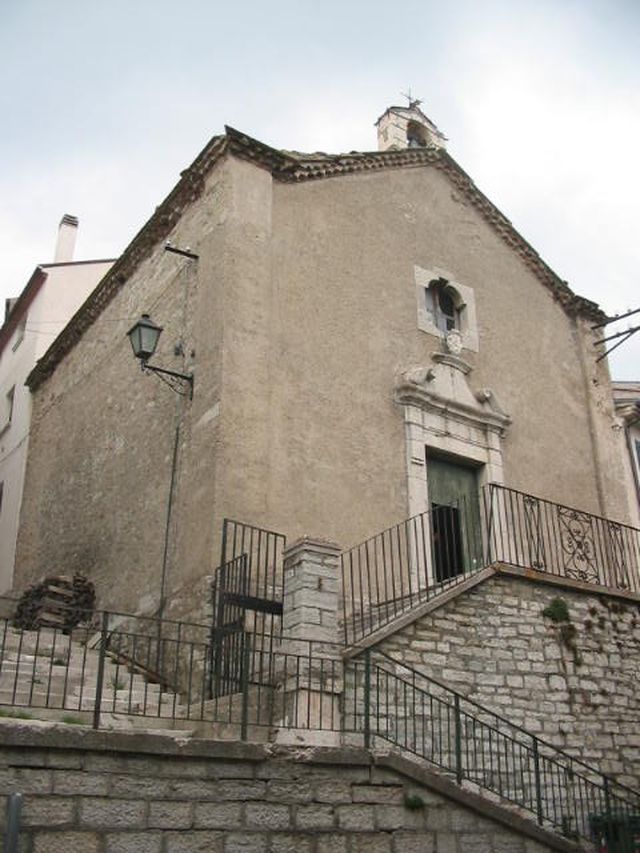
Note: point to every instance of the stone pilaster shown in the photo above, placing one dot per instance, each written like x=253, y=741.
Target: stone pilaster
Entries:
x=311, y=579
x=311, y=677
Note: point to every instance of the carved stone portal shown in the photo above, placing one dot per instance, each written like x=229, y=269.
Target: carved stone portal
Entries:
x=443, y=413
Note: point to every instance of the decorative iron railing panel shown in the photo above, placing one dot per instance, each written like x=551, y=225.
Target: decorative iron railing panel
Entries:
x=531, y=532
x=416, y=560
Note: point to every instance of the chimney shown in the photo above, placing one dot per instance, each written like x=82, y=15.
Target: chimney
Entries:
x=66, y=243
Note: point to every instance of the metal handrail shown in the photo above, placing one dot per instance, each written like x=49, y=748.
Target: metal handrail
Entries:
x=483, y=709
x=536, y=776
x=416, y=560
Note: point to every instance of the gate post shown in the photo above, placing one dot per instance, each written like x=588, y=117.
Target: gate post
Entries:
x=312, y=681
x=310, y=604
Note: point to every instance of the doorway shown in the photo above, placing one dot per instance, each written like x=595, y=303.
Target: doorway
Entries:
x=455, y=516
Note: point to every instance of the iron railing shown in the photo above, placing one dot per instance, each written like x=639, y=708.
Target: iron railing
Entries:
x=124, y=665
x=416, y=560
x=250, y=567
x=531, y=532
x=399, y=705
x=410, y=563
x=121, y=665
x=247, y=597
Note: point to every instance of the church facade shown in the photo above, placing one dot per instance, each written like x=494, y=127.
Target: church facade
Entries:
x=369, y=338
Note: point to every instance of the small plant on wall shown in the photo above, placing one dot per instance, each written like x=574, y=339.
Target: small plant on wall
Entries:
x=557, y=611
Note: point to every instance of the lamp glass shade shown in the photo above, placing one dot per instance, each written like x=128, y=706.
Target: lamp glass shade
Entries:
x=144, y=337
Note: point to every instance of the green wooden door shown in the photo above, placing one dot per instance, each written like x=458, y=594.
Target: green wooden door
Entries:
x=454, y=504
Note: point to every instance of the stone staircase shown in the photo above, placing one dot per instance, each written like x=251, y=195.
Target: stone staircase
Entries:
x=47, y=675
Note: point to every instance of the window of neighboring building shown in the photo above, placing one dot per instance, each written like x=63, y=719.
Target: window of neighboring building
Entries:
x=8, y=408
x=20, y=330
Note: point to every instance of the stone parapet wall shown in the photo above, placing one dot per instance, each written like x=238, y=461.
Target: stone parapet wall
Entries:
x=574, y=683
x=101, y=792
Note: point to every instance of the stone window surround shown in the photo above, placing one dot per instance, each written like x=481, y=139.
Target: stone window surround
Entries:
x=466, y=302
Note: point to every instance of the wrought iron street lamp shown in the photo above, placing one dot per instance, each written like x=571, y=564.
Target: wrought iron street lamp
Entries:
x=144, y=336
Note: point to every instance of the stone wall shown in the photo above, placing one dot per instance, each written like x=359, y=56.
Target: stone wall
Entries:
x=102, y=436
x=575, y=682
x=98, y=792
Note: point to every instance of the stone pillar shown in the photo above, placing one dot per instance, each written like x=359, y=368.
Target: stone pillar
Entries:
x=310, y=667
x=311, y=578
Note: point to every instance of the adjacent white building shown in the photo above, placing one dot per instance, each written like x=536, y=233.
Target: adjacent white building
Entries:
x=626, y=396
x=32, y=321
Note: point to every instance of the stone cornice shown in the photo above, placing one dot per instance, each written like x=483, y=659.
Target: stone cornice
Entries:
x=410, y=394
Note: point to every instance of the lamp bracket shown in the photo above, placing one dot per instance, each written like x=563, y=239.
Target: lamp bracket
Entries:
x=181, y=383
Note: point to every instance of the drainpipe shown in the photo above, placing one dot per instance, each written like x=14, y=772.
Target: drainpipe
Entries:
x=14, y=807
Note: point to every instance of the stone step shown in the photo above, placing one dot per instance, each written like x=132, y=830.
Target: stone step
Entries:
x=41, y=697
x=126, y=722
x=135, y=709
x=108, y=720
x=72, y=682
x=43, y=667
x=47, y=674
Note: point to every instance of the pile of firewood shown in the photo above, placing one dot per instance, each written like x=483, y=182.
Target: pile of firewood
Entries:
x=59, y=601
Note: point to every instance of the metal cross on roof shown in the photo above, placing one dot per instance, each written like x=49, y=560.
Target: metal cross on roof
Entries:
x=413, y=102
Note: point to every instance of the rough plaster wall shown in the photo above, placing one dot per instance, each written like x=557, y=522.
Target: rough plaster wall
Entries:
x=246, y=462
x=609, y=446
x=344, y=250
x=494, y=645
x=90, y=801
x=102, y=433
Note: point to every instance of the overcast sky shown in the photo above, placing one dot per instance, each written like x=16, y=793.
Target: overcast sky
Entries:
x=103, y=103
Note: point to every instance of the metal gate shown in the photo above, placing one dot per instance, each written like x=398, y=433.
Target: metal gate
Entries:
x=247, y=600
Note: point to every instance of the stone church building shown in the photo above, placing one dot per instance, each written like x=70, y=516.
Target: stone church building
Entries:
x=369, y=337
x=388, y=431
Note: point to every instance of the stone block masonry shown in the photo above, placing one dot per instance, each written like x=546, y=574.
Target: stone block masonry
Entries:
x=106, y=792
x=310, y=607
x=574, y=683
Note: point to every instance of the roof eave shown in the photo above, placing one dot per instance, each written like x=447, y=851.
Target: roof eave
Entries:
x=29, y=293
x=164, y=218
x=288, y=168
